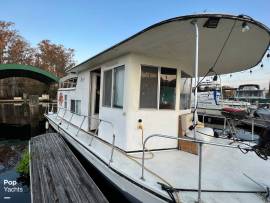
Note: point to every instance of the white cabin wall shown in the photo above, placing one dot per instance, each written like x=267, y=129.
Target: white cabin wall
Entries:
x=115, y=115
x=81, y=92
x=154, y=121
x=125, y=121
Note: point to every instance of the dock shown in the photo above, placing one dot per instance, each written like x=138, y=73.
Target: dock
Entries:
x=56, y=175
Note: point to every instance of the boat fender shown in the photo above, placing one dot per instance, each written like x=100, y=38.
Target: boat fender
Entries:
x=46, y=125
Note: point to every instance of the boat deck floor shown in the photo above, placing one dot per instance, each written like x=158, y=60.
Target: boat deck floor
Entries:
x=222, y=168
x=57, y=175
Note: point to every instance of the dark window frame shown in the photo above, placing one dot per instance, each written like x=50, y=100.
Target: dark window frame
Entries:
x=187, y=76
x=112, y=95
x=114, y=87
x=158, y=87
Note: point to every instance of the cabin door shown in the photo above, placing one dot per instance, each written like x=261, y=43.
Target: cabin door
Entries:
x=94, y=99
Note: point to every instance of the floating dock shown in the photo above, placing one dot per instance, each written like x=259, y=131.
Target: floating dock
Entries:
x=56, y=175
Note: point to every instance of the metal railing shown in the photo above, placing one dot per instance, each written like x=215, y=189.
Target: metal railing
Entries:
x=199, y=142
x=79, y=128
x=245, y=121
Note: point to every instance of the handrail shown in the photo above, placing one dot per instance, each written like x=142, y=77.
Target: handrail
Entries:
x=225, y=122
x=81, y=124
x=200, y=142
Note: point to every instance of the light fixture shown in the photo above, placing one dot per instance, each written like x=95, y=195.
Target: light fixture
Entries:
x=245, y=27
x=268, y=55
x=215, y=78
x=261, y=65
x=211, y=22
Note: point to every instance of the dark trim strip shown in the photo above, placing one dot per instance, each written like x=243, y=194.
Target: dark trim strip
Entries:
x=117, y=172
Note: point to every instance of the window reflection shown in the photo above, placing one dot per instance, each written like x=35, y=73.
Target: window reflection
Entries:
x=167, y=88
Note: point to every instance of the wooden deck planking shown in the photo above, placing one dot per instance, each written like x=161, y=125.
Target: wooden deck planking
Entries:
x=57, y=175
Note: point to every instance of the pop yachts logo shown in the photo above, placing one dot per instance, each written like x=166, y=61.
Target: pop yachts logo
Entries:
x=12, y=186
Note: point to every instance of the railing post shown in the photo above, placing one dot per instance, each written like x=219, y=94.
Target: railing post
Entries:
x=63, y=116
x=58, y=110
x=111, y=159
x=203, y=118
x=69, y=120
x=95, y=131
x=80, y=126
x=143, y=161
x=200, y=173
x=224, y=125
x=252, y=129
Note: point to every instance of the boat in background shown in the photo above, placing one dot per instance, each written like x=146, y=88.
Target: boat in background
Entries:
x=211, y=102
x=250, y=93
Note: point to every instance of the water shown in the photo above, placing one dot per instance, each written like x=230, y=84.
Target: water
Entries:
x=10, y=154
x=18, y=122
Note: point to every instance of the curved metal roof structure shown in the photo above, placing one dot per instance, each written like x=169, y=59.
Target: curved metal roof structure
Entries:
x=175, y=39
x=18, y=70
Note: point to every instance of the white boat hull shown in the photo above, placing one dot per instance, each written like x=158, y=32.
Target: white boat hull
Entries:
x=132, y=190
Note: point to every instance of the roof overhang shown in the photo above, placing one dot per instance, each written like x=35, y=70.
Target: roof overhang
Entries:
x=19, y=70
x=174, y=39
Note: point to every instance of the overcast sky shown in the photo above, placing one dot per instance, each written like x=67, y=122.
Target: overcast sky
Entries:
x=90, y=26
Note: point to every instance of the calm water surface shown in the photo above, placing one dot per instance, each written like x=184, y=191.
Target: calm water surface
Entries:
x=18, y=122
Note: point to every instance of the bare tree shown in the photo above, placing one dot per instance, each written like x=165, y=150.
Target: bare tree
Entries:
x=15, y=49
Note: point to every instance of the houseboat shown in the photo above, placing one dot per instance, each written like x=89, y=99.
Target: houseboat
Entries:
x=127, y=110
x=210, y=100
x=250, y=92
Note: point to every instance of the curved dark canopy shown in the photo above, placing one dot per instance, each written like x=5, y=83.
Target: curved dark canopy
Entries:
x=18, y=70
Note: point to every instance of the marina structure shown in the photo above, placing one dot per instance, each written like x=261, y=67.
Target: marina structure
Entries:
x=127, y=110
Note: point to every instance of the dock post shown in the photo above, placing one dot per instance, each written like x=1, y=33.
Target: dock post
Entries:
x=200, y=173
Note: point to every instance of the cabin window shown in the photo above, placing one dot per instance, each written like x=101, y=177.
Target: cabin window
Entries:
x=167, y=88
x=158, y=81
x=113, y=97
x=65, y=101
x=107, y=88
x=75, y=106
x=118, y=91
x=69, y=83
x=149, y=84
x=185, y=91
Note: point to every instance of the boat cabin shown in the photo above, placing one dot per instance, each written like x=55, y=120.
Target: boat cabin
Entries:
x=143, y=84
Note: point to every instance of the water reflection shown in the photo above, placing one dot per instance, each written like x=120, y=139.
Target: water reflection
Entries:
x=21, y=115
x=18, y=122
x=10, y=154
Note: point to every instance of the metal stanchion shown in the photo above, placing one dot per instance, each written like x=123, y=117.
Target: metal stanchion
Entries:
x=200, y=173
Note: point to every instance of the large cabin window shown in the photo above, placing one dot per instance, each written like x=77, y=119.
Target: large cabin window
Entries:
x=167, y=88
x=118, y=93
x=113, y=97
x=158, y=81
x=149, y=84
x=75, y=106
x=185, y=91
x=107, y=88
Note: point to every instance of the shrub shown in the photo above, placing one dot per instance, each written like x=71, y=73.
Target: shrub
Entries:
x=23, y=165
